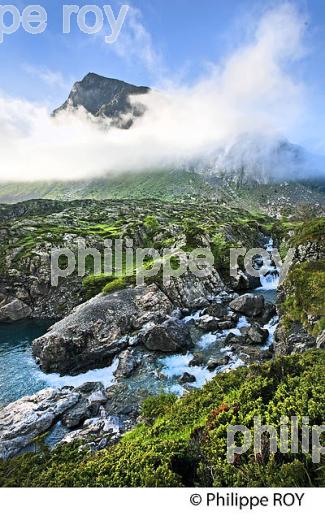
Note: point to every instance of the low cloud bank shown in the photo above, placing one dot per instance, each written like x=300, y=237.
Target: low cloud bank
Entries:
x=246, y=104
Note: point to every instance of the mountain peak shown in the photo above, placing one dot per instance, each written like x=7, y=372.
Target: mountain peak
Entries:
x=106, y=97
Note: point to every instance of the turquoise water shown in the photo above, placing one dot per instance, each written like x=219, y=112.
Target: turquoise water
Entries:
x=19, y=374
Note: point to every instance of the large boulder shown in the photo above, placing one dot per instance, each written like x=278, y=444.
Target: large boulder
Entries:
x=250, y=305
x=13, y=309
x=96, y=331
x=170, y=336
x=27, y=418
x=257, y=335
x=128, y=362
x=191, y=291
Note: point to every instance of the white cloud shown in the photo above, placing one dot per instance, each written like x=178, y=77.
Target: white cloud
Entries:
x=47, y=76
x=135, y=44
x=252, y=93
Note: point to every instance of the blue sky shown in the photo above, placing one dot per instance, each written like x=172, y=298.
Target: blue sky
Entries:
x=181, y=36
x=221, y=70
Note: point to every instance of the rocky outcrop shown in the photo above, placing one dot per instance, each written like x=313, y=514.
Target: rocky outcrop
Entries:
x=250, y=305
x=92, y=335
x=170, y=336
x=105, y=97
x=22, y=421
x=293, y=341
x=13, y=309
x=301, y=293
x=191, y=291
x=26, y=419
x=96, y=331
x=320, y=342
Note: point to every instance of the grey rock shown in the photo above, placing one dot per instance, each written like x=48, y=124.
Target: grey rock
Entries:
x=268, y=313
x=187, y=378
x=13, y=309
x=224, y=325
x=250, y=305
x=320, y=341
x=208, y=323
x=92, y=335
x=198, y=360
x=27, y=418
x=216, y=363
x=257, y=335
x=128, y=363
x=294, y=341
x=171, y=336
x=218, y=310
x=77, y=414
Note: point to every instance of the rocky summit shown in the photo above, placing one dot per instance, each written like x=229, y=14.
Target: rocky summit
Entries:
x=106, y=97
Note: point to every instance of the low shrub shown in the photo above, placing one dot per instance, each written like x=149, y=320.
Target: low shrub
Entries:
x=185, y=441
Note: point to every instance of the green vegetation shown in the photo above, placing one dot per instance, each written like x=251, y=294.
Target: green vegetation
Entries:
x=164, y=185
x=221, y=251
x=182, y=442
x=114, y=285
x=312, y=231
x=94, y=284
x=305, y=301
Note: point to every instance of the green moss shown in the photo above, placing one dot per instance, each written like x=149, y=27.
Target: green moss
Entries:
x=184, y=441
x=312, y=231
x=157, y=405
x=114, y=285
x=94, y=284
x=221, y=251
x=305, y=289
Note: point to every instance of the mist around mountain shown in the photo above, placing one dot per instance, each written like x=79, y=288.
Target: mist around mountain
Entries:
x=106, y=98
x=250, y=159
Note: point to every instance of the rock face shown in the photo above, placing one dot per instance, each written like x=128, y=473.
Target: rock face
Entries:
x=22, y=421
x=192, y=292
x=320, y=342
x=97, y=330
x=13, y=309
x=294, y=341
x=250, y=305
x=105, y=97
x=170, y=336
x=127, y=364
x=293, y=334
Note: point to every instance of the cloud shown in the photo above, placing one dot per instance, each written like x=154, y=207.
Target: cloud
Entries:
x=135, y=44
x=251, y=93
x=52, y=78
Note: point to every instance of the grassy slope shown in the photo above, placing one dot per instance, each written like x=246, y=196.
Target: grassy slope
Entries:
x=305, y=283
x=165, y=185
